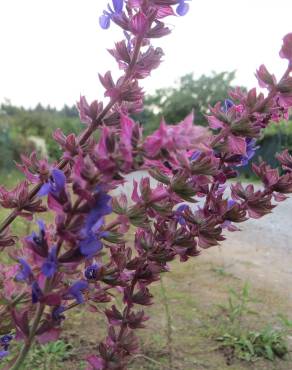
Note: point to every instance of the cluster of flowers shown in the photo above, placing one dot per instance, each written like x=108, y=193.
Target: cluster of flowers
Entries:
x=83, y=257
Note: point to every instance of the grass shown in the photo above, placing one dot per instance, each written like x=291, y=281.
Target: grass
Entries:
x=10, y=178
x=244, y=343
x=193, y=293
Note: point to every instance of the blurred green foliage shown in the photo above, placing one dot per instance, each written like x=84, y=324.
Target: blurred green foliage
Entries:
x=18, y=125
x=175, y=103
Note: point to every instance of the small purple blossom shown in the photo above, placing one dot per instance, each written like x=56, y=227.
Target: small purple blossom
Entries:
x=75, y=291
x=3, y=354
x=91, y=272
x=50, y=265
x=250, y=151
x=179, y=214
x=230, y=203
x=100, y=208
x=25, y=273
x=105, y=18
x=57, y=314
x=39, y=238
x=37, y=241
x=195, y=155
x=182, y=8
x=228, y=103
x=128, y=38
x=5, y=341
x=56, y=184
x=36, y=292
x=90, y=242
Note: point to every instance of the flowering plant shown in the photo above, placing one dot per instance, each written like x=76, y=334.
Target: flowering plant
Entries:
x=83, y=258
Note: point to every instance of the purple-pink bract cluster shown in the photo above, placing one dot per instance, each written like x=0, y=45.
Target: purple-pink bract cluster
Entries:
x=83, y=258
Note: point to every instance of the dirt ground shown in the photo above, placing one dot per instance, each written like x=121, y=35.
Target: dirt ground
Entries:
x=262, y=251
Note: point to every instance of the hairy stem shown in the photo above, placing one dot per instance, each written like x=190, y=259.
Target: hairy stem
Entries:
x=168, y=324
x=34, y=327
x=25, y=349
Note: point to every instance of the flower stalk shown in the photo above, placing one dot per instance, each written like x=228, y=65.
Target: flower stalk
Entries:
x=83, y=258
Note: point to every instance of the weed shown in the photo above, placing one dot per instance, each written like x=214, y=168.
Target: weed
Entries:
x=221, y=271
x=49, y=356
x=268, y=343
x=238, y=304
x=249, y=345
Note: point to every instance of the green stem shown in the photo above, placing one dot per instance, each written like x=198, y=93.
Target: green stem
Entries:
x=168, y=324
x=25, y=349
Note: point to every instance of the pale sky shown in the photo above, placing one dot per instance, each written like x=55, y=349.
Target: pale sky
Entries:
x=52, y=50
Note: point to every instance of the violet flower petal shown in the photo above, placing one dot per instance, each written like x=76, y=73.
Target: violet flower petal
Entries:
x=57, y=313
x=76, y=290
x=50, y=265
x=90, y=246
x=228, y=103
x=25, y=272
x=182, y=8
x=104, y=21
x=55, y=185
x=91, y=271
x=57, y=181
x=44, y=190
x=118, y=5
x=36, y=292
x=3, y=354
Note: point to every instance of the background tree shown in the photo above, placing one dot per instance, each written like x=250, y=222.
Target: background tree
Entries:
x=189, y=94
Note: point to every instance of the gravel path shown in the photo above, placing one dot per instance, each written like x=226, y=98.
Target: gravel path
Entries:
x=273, y=231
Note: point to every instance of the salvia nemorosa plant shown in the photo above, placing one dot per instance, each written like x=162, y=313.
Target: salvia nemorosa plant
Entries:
x=82, y=260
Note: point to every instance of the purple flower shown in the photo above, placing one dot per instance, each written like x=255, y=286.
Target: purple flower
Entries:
x=105, y=18
x=182, y=8
x=37, y=241
x=3, y=354
x=25, y=273
x=55, y=185
x=128, y=38
x=36, y=292
x=100, y=208
x=230, y=203
x=179, y=214
x=250, y=151
x=91, y=272
x=228, y=103
x=195, y=155
x=75, y=291
x=57, y=314
x=90, y=242
x=5, y=341
x=50, y=265
x=250, y=148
